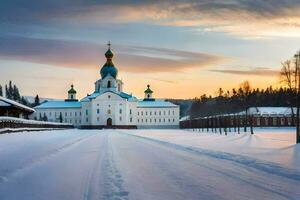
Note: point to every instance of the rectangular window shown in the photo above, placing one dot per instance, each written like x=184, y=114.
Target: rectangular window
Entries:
x=130, y=119
x=98, y=111
x=86, y=112
x=130, y=112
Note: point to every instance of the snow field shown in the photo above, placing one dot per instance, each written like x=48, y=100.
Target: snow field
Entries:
x=149, y=164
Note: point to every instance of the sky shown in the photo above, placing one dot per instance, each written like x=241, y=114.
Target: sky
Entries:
x=183, y=49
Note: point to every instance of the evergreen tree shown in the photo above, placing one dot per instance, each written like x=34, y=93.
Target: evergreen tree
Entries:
x=7, y=94
x=36, y=101
x=24, y=101
x=16, y=94
x=10, y=90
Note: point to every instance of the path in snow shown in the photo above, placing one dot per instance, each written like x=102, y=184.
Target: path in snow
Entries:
x=120, y=164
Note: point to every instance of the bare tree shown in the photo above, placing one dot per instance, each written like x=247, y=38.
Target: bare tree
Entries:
x=245, y=86
x=290, y=76
x=288, y=79
x=297, y=84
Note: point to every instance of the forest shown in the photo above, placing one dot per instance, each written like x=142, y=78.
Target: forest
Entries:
x=241, y=98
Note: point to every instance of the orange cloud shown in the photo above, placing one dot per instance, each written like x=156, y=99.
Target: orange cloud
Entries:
x=83, y=55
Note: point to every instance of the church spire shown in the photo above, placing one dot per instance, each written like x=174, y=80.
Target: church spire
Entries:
x=109, y=54
x=109, y=67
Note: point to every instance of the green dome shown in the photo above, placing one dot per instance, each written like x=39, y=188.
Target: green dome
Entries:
x=109, y=67
x=72, y=90
x=109, y=54
x=148, y=90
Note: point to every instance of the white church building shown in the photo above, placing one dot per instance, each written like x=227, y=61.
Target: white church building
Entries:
x=109, y=106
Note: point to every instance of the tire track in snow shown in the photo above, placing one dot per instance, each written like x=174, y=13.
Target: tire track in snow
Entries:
x=91, y=190
x=112, y=183
x=257, y=164
x=234, y=175
x=10, y=173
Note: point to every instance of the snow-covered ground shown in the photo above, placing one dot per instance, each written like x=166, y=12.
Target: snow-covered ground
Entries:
x=149, y=164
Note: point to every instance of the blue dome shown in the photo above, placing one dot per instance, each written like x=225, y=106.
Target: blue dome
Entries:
x=109, y=67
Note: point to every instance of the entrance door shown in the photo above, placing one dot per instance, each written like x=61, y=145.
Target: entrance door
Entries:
x=109, y=122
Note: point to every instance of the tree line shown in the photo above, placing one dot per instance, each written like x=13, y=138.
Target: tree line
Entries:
x=11, y=91
x=241, y=98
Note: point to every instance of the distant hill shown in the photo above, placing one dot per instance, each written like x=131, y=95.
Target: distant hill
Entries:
x=30, y=99
x=184, y=104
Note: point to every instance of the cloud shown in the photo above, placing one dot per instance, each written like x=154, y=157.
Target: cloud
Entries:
x=84, y=55
x=263, y=71
x=243, y=18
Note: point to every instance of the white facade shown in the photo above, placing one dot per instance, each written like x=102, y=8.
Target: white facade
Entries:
x=109, y=106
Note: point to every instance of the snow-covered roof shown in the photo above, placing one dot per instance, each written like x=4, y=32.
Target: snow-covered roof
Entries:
x=4, y=104
x=187, y=117
x=96, y=94
x=8, y=102
x=155, y=104
x=59, y=104
x=28, y=121
x=271, y=110
x=91, y=96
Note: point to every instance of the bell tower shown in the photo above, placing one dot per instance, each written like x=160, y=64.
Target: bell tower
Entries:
x=148, y=94
x=108, y=72
x=72, y=94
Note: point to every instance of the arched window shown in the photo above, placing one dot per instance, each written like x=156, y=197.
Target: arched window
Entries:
x=108, y=84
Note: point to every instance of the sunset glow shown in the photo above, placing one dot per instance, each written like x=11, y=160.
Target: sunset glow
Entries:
x=182, y=49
